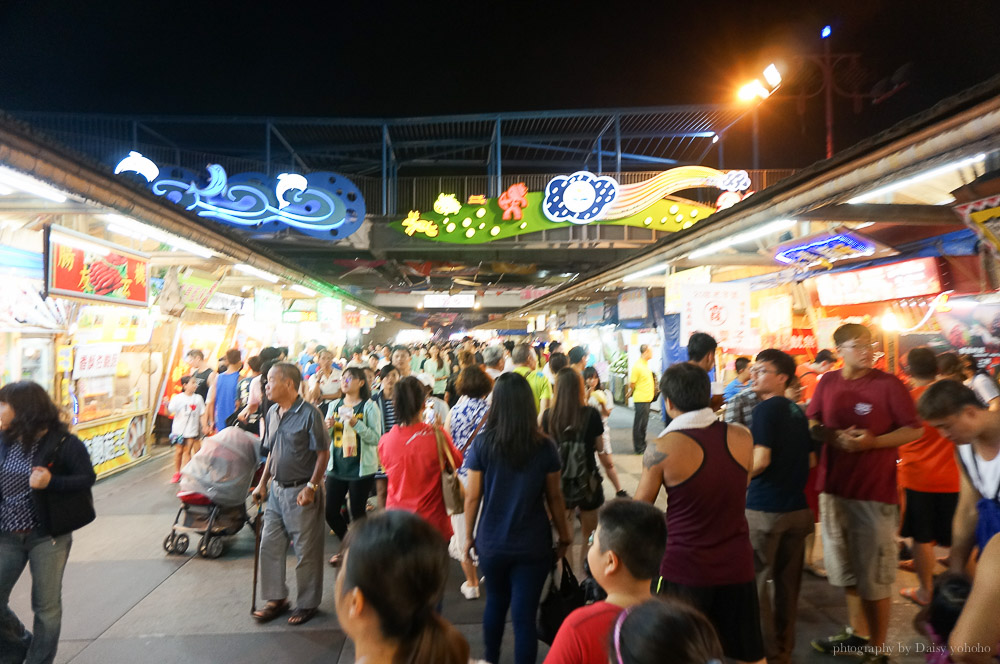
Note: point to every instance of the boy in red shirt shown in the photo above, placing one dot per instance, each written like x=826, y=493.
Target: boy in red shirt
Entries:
x=862, y=415
x=624, y=557
x=928, y=474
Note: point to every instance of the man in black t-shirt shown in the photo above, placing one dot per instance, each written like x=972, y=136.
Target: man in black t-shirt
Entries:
x=777, y=513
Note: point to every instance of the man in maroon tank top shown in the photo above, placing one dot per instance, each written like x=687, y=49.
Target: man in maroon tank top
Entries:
x=704, y=465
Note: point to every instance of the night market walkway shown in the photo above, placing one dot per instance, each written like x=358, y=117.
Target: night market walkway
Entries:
x=125, y=599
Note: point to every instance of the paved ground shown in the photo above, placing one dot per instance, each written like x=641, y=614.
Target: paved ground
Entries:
x=125, y=599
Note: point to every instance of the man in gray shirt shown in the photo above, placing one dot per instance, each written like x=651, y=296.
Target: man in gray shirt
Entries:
x=300, y=449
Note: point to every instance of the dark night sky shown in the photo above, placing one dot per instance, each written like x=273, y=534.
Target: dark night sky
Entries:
x=401, y=59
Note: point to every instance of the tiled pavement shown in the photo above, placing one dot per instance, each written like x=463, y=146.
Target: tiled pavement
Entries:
x=126, y=601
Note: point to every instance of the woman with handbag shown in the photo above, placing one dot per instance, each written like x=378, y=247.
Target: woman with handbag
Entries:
x=411, y=454
x=513, y=471
x=577, y=429
x=45, y=480
x=464, y=422
x=355, y=423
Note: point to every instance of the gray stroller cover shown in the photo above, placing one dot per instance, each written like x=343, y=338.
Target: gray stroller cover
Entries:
x=224, y=467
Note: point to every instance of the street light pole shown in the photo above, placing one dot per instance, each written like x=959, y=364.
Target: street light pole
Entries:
x=756, y=138
x=828, y=89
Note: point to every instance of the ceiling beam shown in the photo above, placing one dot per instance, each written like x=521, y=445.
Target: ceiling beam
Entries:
x=938, y=215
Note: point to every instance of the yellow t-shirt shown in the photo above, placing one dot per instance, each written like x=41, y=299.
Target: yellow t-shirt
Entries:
x=643, y=379
x=540, y=386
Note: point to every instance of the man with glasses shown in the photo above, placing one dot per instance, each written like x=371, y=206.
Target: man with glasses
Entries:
x=777, y=512
x=861, y=415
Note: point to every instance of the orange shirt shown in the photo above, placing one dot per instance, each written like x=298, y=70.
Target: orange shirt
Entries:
x=928, y=463
x=808, y=377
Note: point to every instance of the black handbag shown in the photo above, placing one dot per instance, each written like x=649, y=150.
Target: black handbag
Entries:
x=559, y=602
x=65, y=511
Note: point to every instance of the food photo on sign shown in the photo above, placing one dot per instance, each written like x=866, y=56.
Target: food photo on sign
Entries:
x=84, y=268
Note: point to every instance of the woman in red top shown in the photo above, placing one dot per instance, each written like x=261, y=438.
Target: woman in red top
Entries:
x=409, y=455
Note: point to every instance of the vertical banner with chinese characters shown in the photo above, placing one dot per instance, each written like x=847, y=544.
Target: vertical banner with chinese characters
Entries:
x=721, y=310
x=87, y=268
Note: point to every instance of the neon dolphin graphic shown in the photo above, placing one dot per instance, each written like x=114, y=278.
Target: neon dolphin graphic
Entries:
x=136, y=163
x=289, y=182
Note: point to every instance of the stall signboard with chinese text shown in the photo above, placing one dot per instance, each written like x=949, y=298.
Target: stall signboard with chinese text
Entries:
x=448, y=301
x=330, y=310
x=678, y=281
x=633, y=304
x=794, y=341
x=196, y=291
x=115, y=444
x=298, y=317
x=719, y=309
x=92, y=360
x=775, y=314
x=125, y=325
x=593, y=313
x=894, y=281
x=85, y=268
x=983, y=216
x=572, y=317
x=267, y=306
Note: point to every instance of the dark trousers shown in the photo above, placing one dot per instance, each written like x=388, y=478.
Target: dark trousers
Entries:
x=639, y=425
x=778, y=540
x=336, y=491
x=515, y=582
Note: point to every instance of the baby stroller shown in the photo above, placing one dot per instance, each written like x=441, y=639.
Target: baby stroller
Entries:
x=214, y=488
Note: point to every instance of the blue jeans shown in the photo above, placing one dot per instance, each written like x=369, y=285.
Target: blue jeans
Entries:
x=46, y=558
x=516, y=582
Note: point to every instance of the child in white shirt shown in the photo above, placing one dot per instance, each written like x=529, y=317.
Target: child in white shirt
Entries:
x=187, y=408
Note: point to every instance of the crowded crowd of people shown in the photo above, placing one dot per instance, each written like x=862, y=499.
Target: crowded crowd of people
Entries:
x=497, y=455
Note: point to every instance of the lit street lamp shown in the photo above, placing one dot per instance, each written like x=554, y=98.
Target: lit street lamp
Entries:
x=755, y=92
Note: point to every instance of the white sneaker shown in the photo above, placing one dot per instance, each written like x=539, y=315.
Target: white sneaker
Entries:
x=470, y=592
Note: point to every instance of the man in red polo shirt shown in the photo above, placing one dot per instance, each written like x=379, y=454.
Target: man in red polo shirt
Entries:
x=862, y=415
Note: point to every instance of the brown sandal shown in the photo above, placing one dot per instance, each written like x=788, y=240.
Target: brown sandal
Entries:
x=271, y=611
x=302, y=616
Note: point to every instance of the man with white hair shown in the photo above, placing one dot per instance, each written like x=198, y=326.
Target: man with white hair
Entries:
x=493, y=359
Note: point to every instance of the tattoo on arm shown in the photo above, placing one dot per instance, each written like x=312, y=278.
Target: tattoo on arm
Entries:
x=652, y=457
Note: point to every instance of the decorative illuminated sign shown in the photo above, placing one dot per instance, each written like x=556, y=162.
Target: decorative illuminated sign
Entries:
x=447, y=301
x=877, y=284
x=513, y=201
x=322, y=204
x=83, y=267
x=447, y=204
x=579, y=198
x=825, y=251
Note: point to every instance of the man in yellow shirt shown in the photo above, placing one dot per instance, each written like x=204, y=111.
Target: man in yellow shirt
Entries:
x=642, y=389
x=526, y=364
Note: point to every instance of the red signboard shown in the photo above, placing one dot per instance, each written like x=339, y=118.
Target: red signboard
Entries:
x=86, y=268
x=893, y=281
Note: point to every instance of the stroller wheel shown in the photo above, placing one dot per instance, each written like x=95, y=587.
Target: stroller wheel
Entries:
x=168, y=543
x=181, y=544
x=211, y=548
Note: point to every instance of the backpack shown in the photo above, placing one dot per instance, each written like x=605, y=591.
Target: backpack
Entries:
x=580, y=481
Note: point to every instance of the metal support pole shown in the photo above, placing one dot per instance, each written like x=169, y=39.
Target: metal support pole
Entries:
x=267, y=147
x=135, y=135
x=600, y=161
x=828, y=90
x=618, y=146
x=499, y=163
x=385, y=180
x=756, y=138
x=721, y=159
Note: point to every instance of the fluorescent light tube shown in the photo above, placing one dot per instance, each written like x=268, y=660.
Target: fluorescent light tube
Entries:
x=741, y=238
x=920, y=177
x=30, y=185
x=256, y=272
